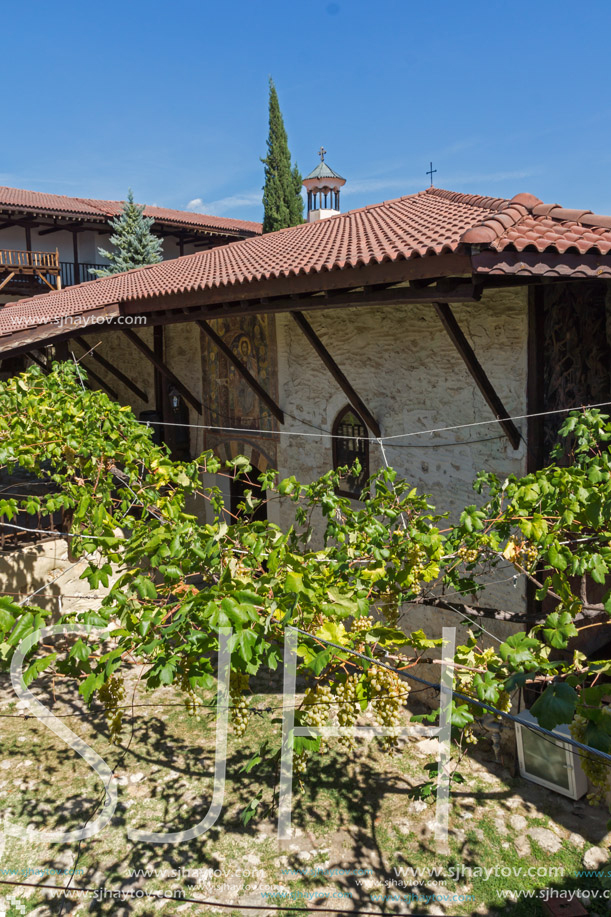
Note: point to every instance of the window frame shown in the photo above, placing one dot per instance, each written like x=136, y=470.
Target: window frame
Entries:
x=364, y=459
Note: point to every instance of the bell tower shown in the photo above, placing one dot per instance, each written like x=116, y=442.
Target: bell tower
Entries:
x=322, y=185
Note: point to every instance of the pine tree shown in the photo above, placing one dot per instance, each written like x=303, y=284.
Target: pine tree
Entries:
x=135, y=245
x=282, y=200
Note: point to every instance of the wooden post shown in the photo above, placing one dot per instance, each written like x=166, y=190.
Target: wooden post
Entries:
x=158, y=348
x=448, y=320
x=77, y=272
x=359, y=406
x=535, y=392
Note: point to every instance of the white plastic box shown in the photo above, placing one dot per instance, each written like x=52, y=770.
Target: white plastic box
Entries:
x=554, y=765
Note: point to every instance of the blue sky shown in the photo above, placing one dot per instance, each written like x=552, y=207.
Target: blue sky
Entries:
x=171, y=98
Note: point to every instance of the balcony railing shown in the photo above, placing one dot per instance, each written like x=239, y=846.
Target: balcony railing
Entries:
x=27, y=269
x=71, y=273
x=26, y=273
x=22, y=261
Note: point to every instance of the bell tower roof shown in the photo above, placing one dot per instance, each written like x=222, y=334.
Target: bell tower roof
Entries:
x=322, y=170
x=323, y=186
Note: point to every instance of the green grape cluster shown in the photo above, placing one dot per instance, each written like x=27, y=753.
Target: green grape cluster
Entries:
x=316, y=708
x=112, y=693
x=364, y=623
x=388, y=695
x=419, y=561
x=530, y=555
x=504, y=702
x=346, y=694
x=468, y=555
x=240, y=714
x=192, y=702
x=300, y=762
x=594, y=768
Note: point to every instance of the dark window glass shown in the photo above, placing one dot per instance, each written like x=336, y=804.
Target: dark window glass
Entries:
x=238, y=488
x=350, y=443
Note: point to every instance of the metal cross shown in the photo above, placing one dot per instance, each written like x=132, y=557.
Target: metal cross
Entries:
x=322, y=152
x=430, y=172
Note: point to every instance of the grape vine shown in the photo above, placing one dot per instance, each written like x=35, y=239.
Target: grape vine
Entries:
x=173, y=581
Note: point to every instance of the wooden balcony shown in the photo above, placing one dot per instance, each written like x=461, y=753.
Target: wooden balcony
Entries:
x=38, y=267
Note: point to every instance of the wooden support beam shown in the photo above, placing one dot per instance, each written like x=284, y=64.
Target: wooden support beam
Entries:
x=44, y=279
x=46, y=369
x=127, y=382
x=267, y=303
x=359, y=406
x=246, y=375
x=7, y=280
x=448, y=320
x=67, y=227
x=93, y=375
x=14, y=222
x=163, y=369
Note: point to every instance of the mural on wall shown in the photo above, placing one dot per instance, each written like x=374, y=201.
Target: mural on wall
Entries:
x=229, y=400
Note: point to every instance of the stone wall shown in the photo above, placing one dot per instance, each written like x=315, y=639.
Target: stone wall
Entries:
x=404, y=366
x=119, y=351
x=408, y=372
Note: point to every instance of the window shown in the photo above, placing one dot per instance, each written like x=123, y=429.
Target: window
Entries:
x=350, y=443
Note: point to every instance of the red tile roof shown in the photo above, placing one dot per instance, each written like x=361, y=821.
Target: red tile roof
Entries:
x=89, y=209
x=429, y=223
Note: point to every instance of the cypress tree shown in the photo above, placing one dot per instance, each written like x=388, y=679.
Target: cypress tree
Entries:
x=133, y=240
x=282, y=200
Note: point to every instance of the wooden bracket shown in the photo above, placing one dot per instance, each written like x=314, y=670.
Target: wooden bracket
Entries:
x=448, y=320
x=44, y=280
x=89, y=351
x=46, y=369
x=163, y=369
x=93, y=375
x=7, y=280
x=246, y=375
x=359, y=406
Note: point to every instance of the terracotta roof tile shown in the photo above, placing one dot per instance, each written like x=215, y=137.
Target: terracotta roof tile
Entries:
x=91, y=209
x=428, y=223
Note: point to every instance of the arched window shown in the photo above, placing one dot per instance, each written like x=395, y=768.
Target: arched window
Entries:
x=351, y=442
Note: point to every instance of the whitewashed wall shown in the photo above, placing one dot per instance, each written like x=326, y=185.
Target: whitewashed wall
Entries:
x=408, y=372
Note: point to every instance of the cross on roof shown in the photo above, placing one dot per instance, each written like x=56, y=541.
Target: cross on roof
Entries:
x=430, y=172
x=321, y=153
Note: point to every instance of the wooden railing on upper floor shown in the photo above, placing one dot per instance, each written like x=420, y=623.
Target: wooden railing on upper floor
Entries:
x=41, y=266
x=32, y=261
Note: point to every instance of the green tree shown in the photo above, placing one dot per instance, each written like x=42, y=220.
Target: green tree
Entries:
x=135, y=245
x=282, y=200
